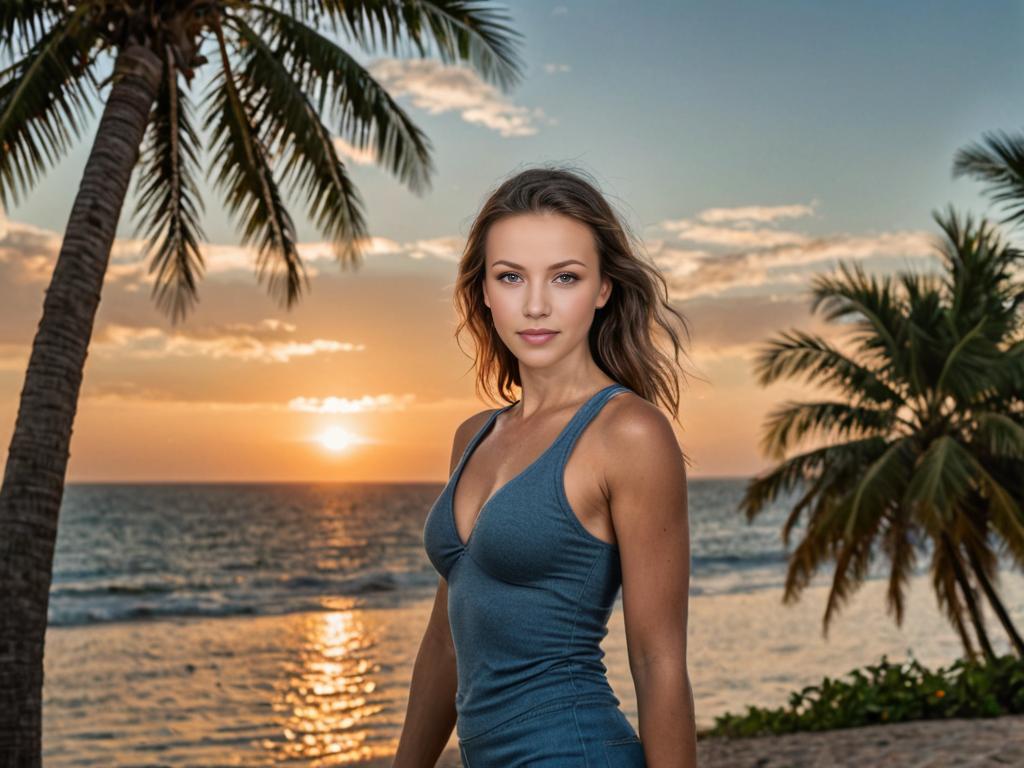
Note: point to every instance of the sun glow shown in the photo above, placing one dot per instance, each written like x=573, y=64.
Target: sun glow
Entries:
x=337, y=439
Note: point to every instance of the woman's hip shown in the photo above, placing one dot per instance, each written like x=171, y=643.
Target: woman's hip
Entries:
x=566, y=733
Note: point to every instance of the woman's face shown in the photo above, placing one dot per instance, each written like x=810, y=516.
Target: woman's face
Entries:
x=542, y=273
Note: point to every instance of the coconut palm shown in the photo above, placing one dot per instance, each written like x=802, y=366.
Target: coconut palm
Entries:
x=923, y=436
x=275, y=70
x=998, y=160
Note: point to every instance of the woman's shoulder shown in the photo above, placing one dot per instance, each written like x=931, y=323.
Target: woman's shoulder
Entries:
x=465, y=431
x=640, y=447
x=633, y=426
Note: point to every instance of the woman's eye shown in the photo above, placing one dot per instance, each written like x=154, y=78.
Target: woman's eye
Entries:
x=574, y=277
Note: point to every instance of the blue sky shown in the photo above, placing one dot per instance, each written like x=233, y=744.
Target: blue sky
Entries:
x=750, y=144
x=678, y=106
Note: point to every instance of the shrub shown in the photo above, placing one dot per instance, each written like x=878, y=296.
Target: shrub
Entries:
x=889, y=693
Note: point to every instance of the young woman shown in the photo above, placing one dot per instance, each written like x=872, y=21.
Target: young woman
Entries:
x=558, y=500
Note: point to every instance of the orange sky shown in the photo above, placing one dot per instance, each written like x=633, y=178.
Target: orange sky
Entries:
x=246, y=391
x=745, y=159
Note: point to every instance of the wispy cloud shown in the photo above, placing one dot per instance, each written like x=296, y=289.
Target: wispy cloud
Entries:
x=364, y=404
x=734, y=238
x=761, y=213
x=135, y=392
x=741, y=254
x=438, y=88
x=692, y=275
x=261, y=343
x=346, y=151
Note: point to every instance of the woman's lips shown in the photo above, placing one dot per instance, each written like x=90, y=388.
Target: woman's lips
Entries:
x=538, y=338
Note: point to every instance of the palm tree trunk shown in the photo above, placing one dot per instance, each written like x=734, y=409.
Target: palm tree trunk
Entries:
x=33, y=483
x=997, y=604
x=969, y=598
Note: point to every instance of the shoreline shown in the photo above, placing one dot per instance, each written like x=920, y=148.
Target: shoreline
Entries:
x=911, y=744
x=333, y=685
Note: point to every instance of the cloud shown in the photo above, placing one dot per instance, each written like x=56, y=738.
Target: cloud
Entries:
x=364, y=404
x=347, y=151
x=740, y=230
x=696, y=274
x=438, y=88
x=261, y=343
x=132, y=391
x=763, y=213
x=740, y=254
x=551, y=68
x=735, y=238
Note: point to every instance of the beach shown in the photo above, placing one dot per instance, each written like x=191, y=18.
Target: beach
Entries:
x=259, y=627
x=330, y=688
x=995, y=741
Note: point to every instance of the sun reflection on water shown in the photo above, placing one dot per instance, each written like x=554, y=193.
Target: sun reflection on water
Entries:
x=326, y=717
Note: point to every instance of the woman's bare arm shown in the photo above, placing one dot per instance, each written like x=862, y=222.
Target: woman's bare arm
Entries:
x=647, y=484
x=430, y=715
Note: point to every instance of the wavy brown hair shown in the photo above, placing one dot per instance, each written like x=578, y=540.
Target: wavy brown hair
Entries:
x=622, y=336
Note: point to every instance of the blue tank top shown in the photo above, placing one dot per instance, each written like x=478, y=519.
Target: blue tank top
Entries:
x=530, y=592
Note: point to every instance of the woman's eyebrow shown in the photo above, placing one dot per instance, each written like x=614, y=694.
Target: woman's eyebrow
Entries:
x=559, y=265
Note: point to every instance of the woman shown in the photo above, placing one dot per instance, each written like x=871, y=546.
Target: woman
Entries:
x=557, y=500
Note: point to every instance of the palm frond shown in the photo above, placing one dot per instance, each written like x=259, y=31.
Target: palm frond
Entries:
x=853, y=561
x=798, y=353
x=999, y=162
x=999, y=434
x=1002, y=509
x=940, y=481
x=363, y=110
x=883, y=480
x=793, y=422
x=25, y=21
x=169, y=202
x=865, y=508
x=899, y=548
x=819, y=543
x=291, y=127
x=252, y=192
x=44, y=98
x=877, y=314
x=946, y=588
x=791, y=473
x=460, y=31
x=1006, y=379
x=980, y=271
x=967, y=369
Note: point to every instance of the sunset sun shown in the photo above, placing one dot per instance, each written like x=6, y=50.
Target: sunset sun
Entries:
x=337, y=439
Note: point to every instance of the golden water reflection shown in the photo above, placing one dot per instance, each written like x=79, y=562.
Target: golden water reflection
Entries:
x=326, y=712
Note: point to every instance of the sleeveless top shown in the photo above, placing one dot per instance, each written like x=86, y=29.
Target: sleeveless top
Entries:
x=530, y=592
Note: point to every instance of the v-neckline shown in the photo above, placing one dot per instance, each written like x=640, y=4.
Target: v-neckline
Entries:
x=479, y=438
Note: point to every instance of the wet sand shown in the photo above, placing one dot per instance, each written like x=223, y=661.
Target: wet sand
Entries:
x=330, y=688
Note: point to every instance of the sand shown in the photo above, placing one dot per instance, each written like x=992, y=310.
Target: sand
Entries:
x=995, y=741
x=330, y=688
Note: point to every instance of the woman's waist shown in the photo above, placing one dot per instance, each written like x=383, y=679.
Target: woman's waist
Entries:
x=490, y=701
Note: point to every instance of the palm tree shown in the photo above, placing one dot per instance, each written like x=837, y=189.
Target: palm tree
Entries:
x=274, y=72
x=998, y=160
x=925, y=437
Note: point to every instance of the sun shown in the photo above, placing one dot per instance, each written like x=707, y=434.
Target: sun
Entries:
x=337, y=439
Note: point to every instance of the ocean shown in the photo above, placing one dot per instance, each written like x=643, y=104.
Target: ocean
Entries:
x=259, y=624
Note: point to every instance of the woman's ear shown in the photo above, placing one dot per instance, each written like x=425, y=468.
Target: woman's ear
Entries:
x=606, y=291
